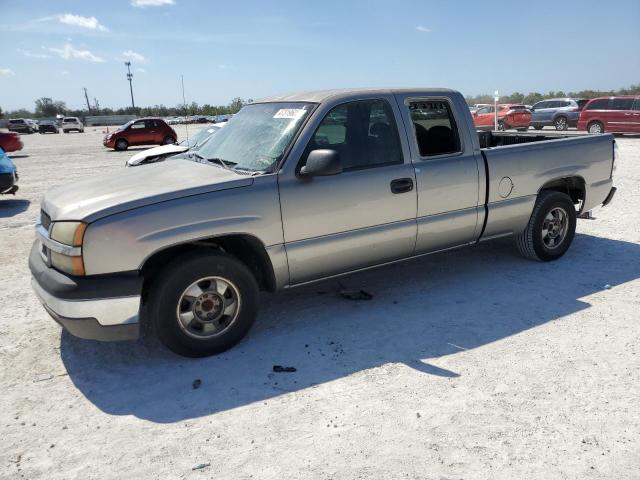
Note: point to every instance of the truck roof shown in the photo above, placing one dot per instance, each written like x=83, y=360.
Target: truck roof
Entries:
x=318, y=96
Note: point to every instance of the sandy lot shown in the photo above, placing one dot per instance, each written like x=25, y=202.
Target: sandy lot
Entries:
x=475, y=364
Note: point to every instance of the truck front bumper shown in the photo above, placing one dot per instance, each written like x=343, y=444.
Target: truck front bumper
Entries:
x=104, y=307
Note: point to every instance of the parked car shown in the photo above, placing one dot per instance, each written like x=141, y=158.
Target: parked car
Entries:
x=144, y=131
x=561, y=113
x=620, y=114
x=20, y=125
x=45, y=126
x=10, y=142
x=509, y=116
x=297, y=189
x=72, y=124
x=190, y=144
x=8, y=175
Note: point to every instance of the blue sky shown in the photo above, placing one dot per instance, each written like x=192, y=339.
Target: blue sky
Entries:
x=253, y=48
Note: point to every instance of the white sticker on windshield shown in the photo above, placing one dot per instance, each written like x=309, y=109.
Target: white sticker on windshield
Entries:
x=289, y=113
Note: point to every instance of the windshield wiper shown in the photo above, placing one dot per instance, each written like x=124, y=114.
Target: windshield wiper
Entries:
x=226, y=164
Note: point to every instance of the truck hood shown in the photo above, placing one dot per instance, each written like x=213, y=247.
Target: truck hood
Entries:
x=100, y=196
x=140, y=157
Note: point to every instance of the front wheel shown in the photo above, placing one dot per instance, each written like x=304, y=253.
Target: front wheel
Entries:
x=168, y=140
x=551, y=227
x=501, y=126
x=121, y=144
x=204, y=303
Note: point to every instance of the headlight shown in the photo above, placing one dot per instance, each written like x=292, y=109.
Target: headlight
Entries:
x=71, y=234
x=68, y=233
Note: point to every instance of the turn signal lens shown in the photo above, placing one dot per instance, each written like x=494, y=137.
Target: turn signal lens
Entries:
x=64, y=263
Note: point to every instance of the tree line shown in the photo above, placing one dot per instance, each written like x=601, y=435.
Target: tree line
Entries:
x=46, y=107
x=533, y=97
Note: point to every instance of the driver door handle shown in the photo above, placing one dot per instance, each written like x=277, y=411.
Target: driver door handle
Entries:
x=401, y=185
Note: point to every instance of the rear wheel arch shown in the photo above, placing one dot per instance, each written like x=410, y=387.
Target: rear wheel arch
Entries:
x=573, y=186
x=244, y=247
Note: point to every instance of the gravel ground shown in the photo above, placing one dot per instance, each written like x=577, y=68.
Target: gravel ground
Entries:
x=474, y=364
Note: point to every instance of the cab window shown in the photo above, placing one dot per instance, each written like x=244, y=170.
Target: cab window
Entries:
x=435, y=127
x=364, y=134
x=137, y=126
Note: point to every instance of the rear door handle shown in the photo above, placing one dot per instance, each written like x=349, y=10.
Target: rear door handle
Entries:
x=401, y=185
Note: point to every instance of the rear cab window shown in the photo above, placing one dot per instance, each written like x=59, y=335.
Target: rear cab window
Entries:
x=435, y=129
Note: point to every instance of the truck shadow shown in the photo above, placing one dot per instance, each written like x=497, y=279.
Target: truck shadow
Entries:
x=11, y=207
x=420, y=310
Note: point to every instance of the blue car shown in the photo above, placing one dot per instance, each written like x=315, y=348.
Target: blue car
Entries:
x=8, y=174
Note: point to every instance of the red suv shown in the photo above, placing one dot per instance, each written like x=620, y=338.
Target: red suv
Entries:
x=144, y=131
x=611, y=114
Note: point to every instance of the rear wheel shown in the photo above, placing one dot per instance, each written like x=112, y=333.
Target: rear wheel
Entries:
x=121, y=144
x=551, y=227
x=595, y=127
x=168, y=140
x=561, y=123
x=204, y=303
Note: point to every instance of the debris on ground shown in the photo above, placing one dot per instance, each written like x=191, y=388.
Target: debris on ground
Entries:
x=281, y=369
x=196, y=383
x=356, y=294
x=607, y=287
x=200, y=466
x=42, y=377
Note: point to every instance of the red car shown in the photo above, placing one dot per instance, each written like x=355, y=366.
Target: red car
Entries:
x=611, y=114
x=144, y=131
x=10, y=142
x=509, y=116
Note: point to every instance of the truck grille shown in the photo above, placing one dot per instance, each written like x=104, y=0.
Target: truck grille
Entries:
x=45, y=220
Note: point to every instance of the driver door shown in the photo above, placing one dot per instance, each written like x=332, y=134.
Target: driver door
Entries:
x=361, y=217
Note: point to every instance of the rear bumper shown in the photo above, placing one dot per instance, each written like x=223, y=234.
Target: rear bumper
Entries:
x=96, y=308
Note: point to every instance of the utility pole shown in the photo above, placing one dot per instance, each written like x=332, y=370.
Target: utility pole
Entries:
x=86, y=96
x=130, y=78
x=96, y=105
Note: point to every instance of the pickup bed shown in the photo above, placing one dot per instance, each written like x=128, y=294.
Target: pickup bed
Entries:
x=295, y=189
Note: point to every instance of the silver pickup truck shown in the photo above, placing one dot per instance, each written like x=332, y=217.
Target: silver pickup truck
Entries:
x=295, y=189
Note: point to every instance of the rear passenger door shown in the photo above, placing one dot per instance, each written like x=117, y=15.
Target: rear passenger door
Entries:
x=361, y=217
x=447, y=171
x=621, y=115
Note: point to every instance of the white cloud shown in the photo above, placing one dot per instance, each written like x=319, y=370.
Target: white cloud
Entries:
x=423, y=29
x=91, y=23
x=151, y=3
x=222, y=67
x=6, y=72
x=141, y=70
x=65, y=72
x=27, y=53
x=133, y=56
x=68, y=52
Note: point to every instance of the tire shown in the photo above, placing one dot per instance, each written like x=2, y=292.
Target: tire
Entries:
x=501, y=126
x=561, y=123
x=169, y=297
x=168, y=140
x=531, y=242
x=121, y=144
x=595, y=127
x=65, y=131
x=538, y=127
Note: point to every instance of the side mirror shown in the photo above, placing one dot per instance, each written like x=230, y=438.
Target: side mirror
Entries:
x=321, y=163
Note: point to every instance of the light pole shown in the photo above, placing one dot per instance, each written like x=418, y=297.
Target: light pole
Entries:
x=130, y=78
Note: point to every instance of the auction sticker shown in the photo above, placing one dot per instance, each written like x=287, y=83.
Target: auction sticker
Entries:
x=290, y=113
